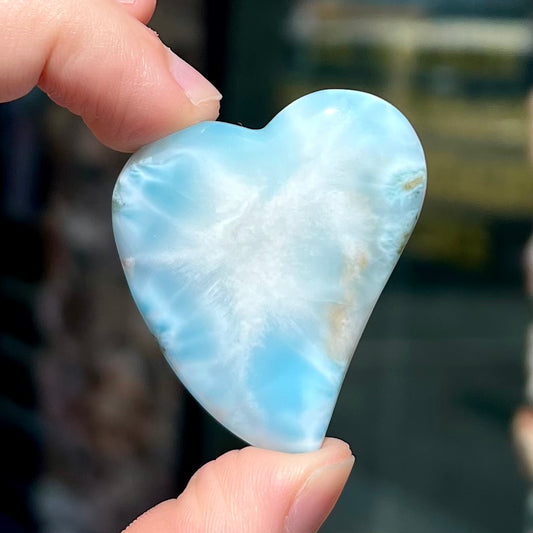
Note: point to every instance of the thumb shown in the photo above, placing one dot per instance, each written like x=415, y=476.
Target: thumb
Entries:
x=256, y=491
x=98, y=60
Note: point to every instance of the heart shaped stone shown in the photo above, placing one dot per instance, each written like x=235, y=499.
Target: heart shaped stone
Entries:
x=256, y=256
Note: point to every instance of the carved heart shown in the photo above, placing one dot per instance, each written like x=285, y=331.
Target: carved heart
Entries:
x=256, y=256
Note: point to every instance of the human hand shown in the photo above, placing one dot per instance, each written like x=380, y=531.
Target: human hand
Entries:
x=99, y=60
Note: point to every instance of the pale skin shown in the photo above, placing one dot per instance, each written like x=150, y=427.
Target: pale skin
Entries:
x=100, y=61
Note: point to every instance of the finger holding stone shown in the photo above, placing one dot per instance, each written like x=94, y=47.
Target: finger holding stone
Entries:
x=256, y=491
x=104, y=65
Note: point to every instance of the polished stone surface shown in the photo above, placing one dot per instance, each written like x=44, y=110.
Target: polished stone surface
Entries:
x=256, y=256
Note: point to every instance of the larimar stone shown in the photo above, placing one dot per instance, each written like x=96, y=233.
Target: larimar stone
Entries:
x=256, y=256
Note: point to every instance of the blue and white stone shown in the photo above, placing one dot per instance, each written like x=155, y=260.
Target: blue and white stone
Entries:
x=256, y=256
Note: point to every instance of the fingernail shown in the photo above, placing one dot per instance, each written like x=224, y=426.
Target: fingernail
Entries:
x=127, y=1
x=317, y=497
x=197, y=89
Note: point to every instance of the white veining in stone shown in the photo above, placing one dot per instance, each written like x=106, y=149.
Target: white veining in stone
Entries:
x=256, y=257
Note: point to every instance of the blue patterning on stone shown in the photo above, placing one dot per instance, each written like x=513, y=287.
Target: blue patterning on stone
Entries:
x=256, y=256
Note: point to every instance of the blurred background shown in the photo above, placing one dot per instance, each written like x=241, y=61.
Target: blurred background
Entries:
x=95, y=428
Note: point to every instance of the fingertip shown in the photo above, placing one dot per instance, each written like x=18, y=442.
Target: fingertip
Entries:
x=317, y=497
x=256, y=490
x=198, y=89
x=333, y=450
x=115, y=73
x=183, y=97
